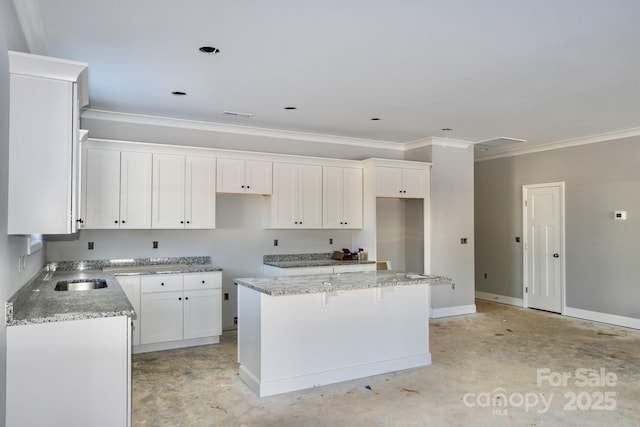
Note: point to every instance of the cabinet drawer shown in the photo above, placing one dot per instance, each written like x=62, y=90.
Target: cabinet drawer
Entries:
x=194, y=281
x=161, y=283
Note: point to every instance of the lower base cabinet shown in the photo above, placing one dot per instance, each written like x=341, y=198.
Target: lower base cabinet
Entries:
x=69, y=374
x=175, y=310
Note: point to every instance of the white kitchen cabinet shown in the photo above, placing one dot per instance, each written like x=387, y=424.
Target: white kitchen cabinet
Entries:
x=200, y=192
x=342, y=197
x=179, y=310
x=131, y=288
x=244, y=176
x=297, y=196
x=117, y=190
x=69, y=374
x=404, y=183
x=183, y=193
x=44, y=137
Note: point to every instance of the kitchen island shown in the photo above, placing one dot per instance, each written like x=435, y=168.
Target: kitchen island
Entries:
x=297, y=332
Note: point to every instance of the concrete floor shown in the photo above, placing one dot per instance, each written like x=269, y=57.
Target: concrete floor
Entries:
x=497, y=367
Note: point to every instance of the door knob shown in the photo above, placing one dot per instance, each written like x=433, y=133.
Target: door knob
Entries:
x=556, y=255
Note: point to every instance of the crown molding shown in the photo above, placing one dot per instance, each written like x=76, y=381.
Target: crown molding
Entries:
x=28, y=14
x=602, y=137
x=434, y=140
x=237, y=129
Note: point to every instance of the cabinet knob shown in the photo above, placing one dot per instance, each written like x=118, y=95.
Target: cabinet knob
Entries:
x=186, y=297
x=248, y=186
x=116, y=221
x=123, y=221
x=203, y=281
x=404, y=191
x=188, y=222
x=242, y=186
x=162, y=284
x=80, y=220
x=180, y=299
x=181, y=222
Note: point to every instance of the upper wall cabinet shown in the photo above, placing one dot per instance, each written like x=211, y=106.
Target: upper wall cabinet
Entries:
x=117, y=190
x=341, y=197
x=45, y=99
x=401, y=182
x=297, y=196
x=244, y=176
x=184, y=192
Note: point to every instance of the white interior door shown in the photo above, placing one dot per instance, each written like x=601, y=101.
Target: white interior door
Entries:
x=544, y=246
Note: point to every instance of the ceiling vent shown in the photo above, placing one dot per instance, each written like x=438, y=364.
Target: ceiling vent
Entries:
x=235, y=113
x=499, y=142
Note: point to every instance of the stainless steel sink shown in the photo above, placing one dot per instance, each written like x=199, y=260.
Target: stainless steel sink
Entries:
x=81, y=285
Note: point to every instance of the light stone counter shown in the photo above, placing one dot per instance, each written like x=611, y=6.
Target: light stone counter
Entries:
x=314, y=283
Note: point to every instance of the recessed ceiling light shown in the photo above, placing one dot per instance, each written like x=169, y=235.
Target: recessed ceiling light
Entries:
x=209, y=50
x=375, y=118
x=446, y=129
x=178, y=93
x=290, y=108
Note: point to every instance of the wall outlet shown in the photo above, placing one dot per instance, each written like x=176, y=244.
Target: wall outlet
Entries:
x=275, y=242
x=330, y=241
x=90, y=246
x=463, y=241
x=155, y=244
x=226, y=296
x=235, y=320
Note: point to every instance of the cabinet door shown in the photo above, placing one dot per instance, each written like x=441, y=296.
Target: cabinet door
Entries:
x=135, y=190
x=309, y=196
x=161, y=317
x=202, y=313
x=200, y=197
x=284, y=201
x=168, y=191
x=102, y=189
x=414, y=183
x=332, y=197
x=388, y=182
x=352, y=198
x=41, y=131
x=230, y=176
x=131, y=288
x=258, y=177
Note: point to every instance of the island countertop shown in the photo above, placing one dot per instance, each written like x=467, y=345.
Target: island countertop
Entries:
x=315, y=283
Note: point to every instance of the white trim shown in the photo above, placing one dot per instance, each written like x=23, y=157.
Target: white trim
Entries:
x=452, y=311
x=596, y=316
x=591, y=139
x=444, y=142
x=502, y=299
x=28, y=14
x=237, y=129
x=563, y=266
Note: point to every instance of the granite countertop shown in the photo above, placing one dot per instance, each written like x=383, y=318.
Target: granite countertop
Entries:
x=38, y=302
x=307, y=260
x=316, y=283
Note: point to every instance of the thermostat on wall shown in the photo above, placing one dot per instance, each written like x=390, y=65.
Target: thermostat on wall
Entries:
x=620, y=215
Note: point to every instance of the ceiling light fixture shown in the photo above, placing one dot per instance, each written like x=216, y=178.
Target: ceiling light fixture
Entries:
x=178, y=93
x=375, y=119
x=209, y=50
x=290, y=108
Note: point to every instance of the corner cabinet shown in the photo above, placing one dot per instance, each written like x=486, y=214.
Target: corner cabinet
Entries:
x=237, y=176
x=341, y=197
x=46, y=95
x=184, y=192
x=297, y=196
x=117, y=189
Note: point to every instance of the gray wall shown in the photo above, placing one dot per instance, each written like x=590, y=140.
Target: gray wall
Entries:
x=11, y=247
x=602, y=255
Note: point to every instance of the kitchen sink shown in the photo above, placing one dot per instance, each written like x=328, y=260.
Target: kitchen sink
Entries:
x=81, y=285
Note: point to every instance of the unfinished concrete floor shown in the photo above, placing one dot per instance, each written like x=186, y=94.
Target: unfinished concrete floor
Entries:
x=484, y=373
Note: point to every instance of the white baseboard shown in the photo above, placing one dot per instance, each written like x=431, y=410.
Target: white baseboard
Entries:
x=596, y=316
x=518, y=302
x=453, y=311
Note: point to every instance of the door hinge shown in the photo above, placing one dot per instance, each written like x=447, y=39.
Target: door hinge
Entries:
x=525, y=204
x=526, y=289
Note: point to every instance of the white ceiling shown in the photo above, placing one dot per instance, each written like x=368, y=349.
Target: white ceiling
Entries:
x=539, y=70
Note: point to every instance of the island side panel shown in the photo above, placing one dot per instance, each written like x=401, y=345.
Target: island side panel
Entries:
x=82, y=367
x=249, y=336
x=323, y=338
